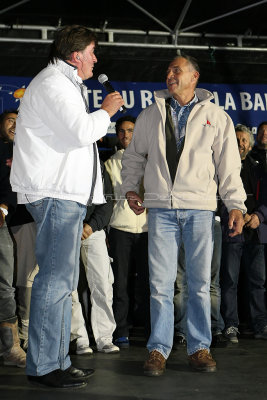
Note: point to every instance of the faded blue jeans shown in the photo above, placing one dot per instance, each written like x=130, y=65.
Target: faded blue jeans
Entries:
x=58, y=241
x=180, y=296
x=167, y=229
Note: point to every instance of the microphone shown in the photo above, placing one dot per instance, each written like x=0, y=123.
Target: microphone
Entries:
x=103, y=79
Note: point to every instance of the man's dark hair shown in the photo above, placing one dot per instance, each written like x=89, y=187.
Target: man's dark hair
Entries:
x=191, y=60
x=5, y=113
x=261, y=124
x=70, y=38
x=123, y=119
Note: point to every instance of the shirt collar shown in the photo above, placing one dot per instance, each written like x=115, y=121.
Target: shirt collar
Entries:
x=175, y=103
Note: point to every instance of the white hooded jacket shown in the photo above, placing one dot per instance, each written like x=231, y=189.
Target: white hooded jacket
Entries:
x=53, y=147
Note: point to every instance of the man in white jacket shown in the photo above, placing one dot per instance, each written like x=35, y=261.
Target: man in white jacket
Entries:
x=56, y=173
x=188, y=148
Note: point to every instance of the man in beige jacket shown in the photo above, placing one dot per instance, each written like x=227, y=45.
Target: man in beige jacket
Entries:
x=128, y=248
x=185, y=146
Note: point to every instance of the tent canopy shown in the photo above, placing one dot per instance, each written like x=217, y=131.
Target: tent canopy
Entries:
x=138, y=38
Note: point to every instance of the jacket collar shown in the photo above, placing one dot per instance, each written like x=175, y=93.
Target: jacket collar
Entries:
x=69, y=70
x=203, y=95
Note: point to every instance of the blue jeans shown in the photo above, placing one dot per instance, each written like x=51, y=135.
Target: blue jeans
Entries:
x=167, y=230
x=180, y=296
x=58, y=241
x=252, y=255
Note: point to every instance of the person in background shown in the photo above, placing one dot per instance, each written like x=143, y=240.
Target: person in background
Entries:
x=259, y=153
x=23, y=231
x=128, y=243
x=96, y=262
x=10, y=348
x=259, y=150
x=55, y=145
x=185, y=147
x=249, y=246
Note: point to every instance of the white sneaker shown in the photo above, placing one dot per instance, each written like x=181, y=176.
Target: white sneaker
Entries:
x=83, y=349
x=109, y=348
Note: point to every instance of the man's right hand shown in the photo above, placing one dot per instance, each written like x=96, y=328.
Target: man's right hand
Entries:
x=87, y=231
x=235, y=222
x=135, y=202
x=112, y=103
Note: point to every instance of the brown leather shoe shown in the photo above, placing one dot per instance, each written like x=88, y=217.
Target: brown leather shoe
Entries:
x=202, y=361
x=155, y=364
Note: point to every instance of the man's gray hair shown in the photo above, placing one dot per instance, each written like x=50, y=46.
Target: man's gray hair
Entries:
x=244, y=128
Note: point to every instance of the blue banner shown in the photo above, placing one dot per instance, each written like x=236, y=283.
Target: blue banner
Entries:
x=246, y=103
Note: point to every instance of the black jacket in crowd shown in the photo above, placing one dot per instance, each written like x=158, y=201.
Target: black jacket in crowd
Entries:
x=98, y=216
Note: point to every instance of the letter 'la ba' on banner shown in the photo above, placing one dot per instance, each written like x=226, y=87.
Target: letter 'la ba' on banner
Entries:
x=245, y=103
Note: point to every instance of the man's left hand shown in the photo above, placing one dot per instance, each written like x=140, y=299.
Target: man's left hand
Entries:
x=254, y=222
x=235, y=222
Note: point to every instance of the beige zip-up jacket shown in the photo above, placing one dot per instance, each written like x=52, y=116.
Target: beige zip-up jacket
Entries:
x=210, y=159
x=123, y=218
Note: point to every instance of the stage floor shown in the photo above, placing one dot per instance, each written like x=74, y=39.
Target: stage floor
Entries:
x=241, y=375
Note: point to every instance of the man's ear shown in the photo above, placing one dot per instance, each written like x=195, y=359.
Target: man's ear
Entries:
x=74, y=58
x=195, y=76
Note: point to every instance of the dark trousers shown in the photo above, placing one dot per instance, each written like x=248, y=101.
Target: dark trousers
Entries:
x=129, y=252
x=252, y=255
x=7, y=291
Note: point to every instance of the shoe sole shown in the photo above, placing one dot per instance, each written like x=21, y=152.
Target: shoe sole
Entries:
x=123, y=346
x=233, y=341
x=84, y=353
x=83, y=377
x=109, y=352
x=13, y=364
x=203, y=369
x=154, y=373
x=42, y=385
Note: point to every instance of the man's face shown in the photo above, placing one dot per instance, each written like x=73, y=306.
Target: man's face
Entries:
x=125, y=133
x=181, y=77
x=243, y=143
x=262, y=136
x=87, y=60
x=7, y=129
